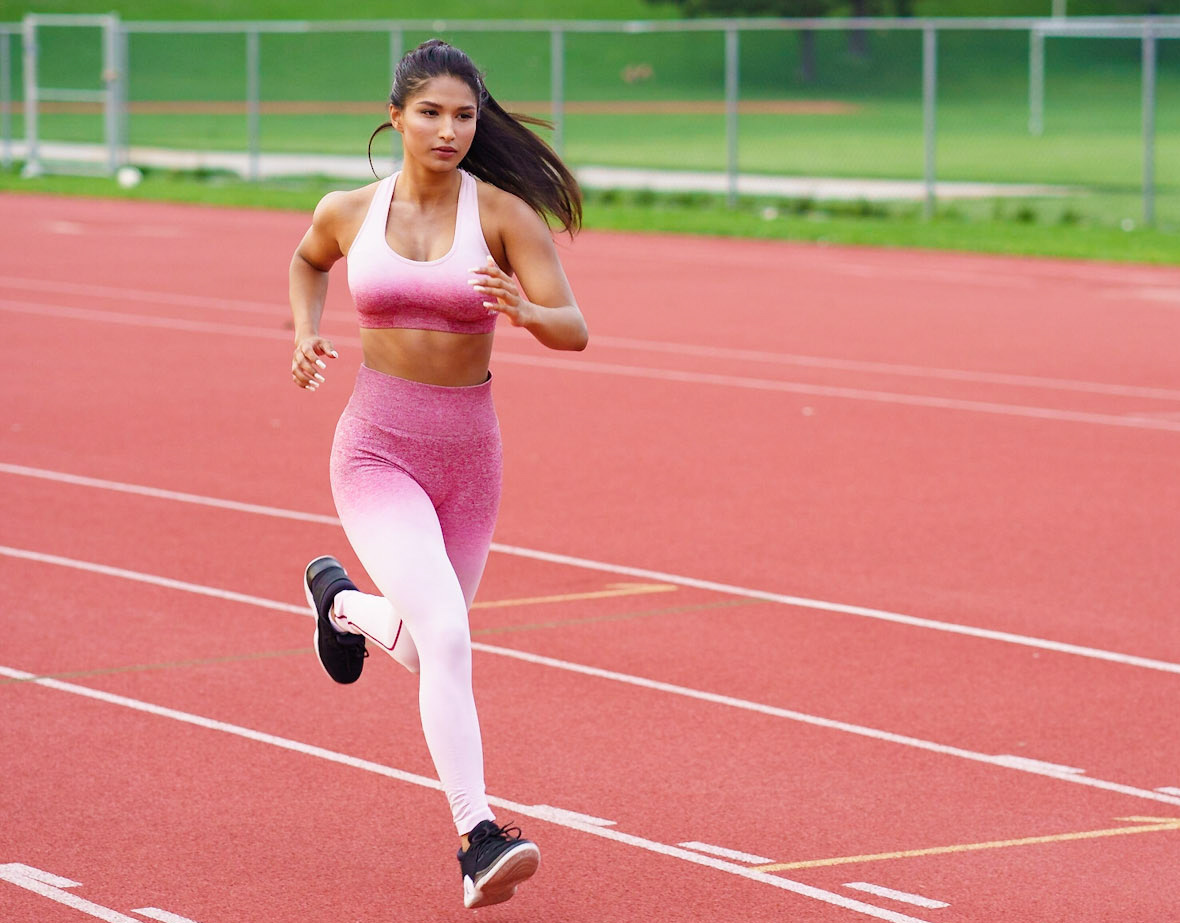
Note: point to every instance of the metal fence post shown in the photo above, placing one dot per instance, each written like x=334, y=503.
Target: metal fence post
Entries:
x=5, y=101
x=110, y=79
x=1036, y=81
x=557, y=87
x=929, y=95
x=252, y=107
x=397, y=49
x=731, y=116
x=124, y=95
x=29, y=48
x=1148, y=125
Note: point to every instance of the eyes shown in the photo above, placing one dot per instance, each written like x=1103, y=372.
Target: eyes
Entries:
x=464, y=116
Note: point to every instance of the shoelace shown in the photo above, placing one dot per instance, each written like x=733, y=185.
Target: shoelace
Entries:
x=508, y=832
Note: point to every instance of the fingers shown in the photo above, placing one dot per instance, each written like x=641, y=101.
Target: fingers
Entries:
x=491, y=280
x=306, y=364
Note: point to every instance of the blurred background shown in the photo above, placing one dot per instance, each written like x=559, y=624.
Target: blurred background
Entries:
x=964, y=106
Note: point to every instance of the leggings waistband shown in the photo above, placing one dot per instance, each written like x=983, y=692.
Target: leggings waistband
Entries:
x=417, y=407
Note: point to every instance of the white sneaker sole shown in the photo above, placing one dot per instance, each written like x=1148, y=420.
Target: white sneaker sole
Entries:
x=499, y=882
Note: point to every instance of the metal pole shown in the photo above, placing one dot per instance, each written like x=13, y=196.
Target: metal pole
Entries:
x=1059, y=9
x=124, y=94
x=5, y=102
x=29, y=48
x=110, y=80
x=557, y=87
x=731, y=116
x=929, y=95
x=252, y=56
x=1148, y=125
x=1036, y=82
x=397, y=48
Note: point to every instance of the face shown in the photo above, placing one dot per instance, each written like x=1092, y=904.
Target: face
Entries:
x=437, y=123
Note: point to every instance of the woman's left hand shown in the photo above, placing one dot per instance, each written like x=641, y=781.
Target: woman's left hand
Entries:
x=494, y=282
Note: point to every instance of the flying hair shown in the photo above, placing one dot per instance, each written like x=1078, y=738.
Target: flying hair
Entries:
x=504, y=152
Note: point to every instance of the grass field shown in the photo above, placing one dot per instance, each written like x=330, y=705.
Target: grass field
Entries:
x=1034, y=228
x=187, y=91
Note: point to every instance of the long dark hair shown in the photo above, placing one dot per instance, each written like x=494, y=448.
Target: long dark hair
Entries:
x=504, y=152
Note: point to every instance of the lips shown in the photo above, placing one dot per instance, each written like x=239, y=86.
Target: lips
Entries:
x=445, y=150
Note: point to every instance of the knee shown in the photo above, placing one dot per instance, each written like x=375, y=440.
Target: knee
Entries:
x=449, y=645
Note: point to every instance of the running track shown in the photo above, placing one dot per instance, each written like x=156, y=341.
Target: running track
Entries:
x=860, y=565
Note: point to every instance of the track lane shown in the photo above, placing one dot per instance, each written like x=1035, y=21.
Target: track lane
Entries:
x=210, y=456
x=951, y=689
x=935, y=543
x=822, y=783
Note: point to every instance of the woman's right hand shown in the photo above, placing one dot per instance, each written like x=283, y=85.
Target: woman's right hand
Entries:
x=307, y=363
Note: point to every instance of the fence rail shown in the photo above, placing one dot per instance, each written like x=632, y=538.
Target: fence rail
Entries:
x=1147, y=31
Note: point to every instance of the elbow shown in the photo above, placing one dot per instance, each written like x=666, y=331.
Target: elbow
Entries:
x=581, y=338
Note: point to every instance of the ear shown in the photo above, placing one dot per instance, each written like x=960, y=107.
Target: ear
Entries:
x=395, y=117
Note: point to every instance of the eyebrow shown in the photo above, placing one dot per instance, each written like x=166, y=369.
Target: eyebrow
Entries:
x=427, y=102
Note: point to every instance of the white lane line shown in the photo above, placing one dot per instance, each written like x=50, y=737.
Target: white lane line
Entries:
x=154, y=913
x=802, y=602
x=735, y=854
x=1017, y=762
x=139, y=577
x=883, y=368
x=651, y=374
x=51, y=886
x=77, y=480
x=566, y=819
x=904, y=896
x=90, y=290
x=1169, y=790
x=561, y=814
x=1033, y=767
x=658, y=576
x=858, y=394
x=276, y=310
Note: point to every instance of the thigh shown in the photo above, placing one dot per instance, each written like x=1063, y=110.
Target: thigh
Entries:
x=393, y=527
x=467, y=515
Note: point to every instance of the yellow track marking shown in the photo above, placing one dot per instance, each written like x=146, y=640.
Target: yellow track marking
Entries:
x=1143, y=825
x=614, y=589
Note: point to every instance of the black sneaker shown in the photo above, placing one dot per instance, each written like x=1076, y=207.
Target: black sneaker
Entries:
x=341, y=655
x=494, y=863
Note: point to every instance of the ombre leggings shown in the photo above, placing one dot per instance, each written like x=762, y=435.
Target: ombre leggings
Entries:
x=416, y=479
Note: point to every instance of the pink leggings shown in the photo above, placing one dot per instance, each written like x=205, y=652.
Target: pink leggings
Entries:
x=416, y=479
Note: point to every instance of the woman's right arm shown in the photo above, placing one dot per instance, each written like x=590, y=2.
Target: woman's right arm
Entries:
x=315, y=255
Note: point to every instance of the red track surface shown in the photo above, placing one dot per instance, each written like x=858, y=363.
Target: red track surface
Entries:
x=964, y=441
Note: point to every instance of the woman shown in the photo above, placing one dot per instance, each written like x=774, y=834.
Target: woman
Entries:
x=415, y=469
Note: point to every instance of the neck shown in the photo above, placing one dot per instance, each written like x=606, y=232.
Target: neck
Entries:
x=426, y=187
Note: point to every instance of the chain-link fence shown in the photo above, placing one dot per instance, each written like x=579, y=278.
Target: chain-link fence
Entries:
x=1077, y=117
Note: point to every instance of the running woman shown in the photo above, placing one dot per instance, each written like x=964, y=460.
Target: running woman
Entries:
x=415, y=467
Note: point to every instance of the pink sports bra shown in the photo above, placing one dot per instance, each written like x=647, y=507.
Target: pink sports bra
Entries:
x=391, y=290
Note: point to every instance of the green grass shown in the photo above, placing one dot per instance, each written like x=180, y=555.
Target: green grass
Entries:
x=1034, y=228
x=209, y=10
x=1092, y=140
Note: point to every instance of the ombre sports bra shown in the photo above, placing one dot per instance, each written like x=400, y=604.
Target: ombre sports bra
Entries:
x=391, y=290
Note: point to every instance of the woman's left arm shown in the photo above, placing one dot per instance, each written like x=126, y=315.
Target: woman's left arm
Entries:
x=543, y=302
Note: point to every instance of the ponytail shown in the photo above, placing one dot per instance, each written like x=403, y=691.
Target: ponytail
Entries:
x=504, y=151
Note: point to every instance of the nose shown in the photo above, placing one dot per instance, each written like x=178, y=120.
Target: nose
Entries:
x=446, y=130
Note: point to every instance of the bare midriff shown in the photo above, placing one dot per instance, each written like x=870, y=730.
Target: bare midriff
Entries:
x=433, y=357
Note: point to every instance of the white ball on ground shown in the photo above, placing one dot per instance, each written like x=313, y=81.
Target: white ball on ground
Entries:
x=128, y=177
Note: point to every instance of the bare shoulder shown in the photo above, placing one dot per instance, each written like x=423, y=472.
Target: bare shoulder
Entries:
x=344, y=206
x=507, y=213
x=339, y=215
